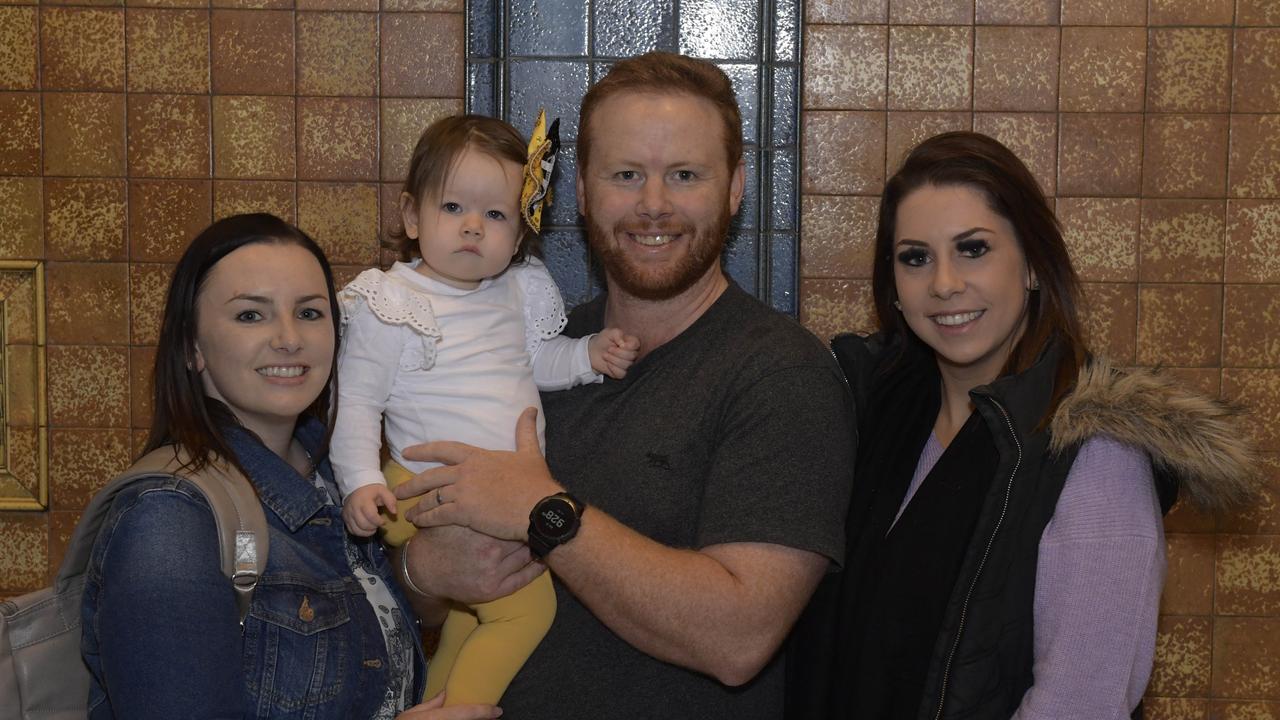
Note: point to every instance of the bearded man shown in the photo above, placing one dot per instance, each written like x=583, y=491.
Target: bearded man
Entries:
x=688, y=510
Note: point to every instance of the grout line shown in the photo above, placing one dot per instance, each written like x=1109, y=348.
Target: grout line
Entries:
x=126, y=176
x=888, y=74
x=1142, y=169
x=208, y=95
x=973, y=59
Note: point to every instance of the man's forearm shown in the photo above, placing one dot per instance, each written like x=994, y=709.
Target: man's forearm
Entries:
x=722, y=610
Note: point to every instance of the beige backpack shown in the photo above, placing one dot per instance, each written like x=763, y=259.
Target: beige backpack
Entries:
x=42, y=676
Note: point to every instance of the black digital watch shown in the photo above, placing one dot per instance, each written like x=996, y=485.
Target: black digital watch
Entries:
x=553, y=522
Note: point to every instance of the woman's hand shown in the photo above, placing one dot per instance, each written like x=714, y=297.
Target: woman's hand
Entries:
x=434, y=709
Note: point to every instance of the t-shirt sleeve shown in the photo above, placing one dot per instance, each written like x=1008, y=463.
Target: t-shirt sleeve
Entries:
x=783, y=464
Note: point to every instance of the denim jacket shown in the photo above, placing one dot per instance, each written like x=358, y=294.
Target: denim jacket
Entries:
x=161, y=632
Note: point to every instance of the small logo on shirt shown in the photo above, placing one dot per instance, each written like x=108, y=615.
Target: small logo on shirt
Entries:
x=661, y=462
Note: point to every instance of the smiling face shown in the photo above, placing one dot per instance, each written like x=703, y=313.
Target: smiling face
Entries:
x=659, y=192
x=264, y=338
x=472, y=229
x=961, y=278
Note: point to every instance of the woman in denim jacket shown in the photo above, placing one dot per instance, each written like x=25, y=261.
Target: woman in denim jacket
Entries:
x=242, y=375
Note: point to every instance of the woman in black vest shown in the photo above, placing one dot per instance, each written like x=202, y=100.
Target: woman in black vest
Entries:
x=1005, y=546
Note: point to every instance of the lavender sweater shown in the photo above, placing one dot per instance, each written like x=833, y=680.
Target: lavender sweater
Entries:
x=1098, y=579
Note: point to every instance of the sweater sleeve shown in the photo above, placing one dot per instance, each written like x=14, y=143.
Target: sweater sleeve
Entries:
x=1100, y=571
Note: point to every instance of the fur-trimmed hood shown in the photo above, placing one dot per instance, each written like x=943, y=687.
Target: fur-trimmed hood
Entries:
x=1198, y=441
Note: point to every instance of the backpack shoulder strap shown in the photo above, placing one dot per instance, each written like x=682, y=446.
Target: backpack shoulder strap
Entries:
x=237, y=513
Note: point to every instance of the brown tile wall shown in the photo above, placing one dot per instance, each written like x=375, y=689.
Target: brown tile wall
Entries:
x=126, y=126
x=1155, y=127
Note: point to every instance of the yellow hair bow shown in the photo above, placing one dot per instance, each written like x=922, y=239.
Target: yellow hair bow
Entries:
x=544, y=144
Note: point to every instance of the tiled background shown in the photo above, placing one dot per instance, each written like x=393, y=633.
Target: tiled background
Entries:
x=125, y=128
x=1155, y=124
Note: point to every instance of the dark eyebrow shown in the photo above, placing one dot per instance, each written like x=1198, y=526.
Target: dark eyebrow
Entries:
x=969, y=233
x=267, y=301
x=962, y=236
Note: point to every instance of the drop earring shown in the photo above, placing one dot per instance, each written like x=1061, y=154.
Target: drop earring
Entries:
x=898, y=304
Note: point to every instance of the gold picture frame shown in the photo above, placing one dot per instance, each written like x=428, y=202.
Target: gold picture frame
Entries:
x=24, y=415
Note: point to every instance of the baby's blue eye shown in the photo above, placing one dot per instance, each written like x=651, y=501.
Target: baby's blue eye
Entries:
x=451, y=207
x=497, y=215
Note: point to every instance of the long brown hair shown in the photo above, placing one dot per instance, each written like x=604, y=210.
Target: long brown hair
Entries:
x=436, y=155
x=981, y=163
x=182, y=414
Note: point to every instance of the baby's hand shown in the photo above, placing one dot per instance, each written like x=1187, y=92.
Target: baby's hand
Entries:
x=360, y=509
x=612, y=352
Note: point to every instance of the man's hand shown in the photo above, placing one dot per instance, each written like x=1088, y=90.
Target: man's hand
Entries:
x=612, y=352
x=490, y=491
x=465, y=566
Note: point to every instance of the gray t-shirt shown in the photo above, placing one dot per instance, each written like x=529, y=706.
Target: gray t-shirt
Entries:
x=737, y=430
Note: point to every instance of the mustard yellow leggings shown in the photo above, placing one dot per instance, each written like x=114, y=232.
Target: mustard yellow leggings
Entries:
x=482, y=647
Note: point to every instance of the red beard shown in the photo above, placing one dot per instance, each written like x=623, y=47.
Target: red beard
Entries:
x=659, y=284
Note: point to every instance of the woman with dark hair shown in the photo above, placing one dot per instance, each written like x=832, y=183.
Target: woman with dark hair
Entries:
x=243, y=377
x=1005, y=550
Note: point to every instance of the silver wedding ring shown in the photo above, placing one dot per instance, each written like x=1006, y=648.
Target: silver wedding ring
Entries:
x=439, y=502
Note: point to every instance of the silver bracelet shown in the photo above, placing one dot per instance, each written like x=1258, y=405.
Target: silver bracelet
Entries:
x=404, y=569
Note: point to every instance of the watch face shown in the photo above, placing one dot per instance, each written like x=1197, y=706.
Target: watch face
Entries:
x=554, y=517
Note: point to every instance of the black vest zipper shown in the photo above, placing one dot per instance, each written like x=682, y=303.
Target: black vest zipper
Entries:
x=964, y=609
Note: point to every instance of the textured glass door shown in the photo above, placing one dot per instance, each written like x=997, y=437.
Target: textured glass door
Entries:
x=527, y=54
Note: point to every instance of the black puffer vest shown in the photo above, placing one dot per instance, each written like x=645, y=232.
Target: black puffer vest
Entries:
x=981, y=664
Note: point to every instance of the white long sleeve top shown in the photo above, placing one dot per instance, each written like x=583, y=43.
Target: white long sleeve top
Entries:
x=435, y=362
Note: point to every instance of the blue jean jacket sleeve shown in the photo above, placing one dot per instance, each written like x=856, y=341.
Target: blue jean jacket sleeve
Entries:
x=160, y=617
x=161, y=633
